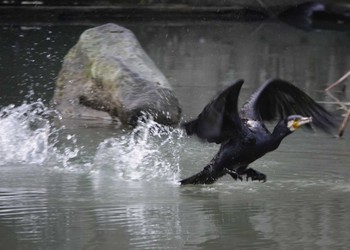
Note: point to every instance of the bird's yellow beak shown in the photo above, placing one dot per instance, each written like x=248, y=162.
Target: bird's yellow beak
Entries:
x=297, y=123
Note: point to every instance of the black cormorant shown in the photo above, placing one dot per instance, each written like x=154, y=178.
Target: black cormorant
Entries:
x=243, y=135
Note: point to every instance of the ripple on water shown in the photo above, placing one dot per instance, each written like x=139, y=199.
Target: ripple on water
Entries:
x=26, y=209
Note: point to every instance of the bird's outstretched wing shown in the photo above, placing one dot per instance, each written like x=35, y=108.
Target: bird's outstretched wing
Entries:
x=278, y=99
x=219, y=119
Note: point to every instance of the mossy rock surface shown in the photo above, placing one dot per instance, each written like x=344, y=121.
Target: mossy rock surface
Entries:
x=107, y=75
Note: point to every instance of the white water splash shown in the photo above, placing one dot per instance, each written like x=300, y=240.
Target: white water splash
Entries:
x=24, y=133
x=150, y=152
x=27, y=136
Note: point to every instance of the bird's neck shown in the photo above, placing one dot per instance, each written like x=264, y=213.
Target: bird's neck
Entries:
x=277, y=136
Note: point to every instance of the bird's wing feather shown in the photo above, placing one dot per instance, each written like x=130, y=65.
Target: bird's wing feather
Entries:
x=219, y=119
x=278, y=99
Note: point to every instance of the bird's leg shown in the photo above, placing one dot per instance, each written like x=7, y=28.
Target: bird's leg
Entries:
x=254, y=175
x=233, y=174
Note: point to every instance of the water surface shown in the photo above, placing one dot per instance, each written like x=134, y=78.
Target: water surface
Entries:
x=70, y=184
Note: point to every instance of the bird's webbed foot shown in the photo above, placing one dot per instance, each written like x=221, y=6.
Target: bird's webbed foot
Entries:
x=233, y=174
x=255, y=175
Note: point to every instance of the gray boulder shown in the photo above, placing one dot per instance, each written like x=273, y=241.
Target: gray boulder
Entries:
x=107, y=75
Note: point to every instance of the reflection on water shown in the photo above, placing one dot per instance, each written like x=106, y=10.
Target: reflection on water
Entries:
x=68, y=184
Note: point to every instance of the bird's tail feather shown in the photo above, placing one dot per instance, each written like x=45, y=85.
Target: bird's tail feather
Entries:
x=203, y=177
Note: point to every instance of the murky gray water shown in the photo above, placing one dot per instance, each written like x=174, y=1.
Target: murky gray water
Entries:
x=71, y=184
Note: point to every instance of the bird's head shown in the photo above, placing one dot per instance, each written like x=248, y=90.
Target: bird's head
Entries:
x=289, y=124
x=294, y=122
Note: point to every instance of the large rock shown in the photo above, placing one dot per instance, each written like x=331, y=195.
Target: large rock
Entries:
x=107, y=75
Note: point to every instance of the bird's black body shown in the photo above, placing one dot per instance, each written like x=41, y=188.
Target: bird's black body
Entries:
x=243, y=135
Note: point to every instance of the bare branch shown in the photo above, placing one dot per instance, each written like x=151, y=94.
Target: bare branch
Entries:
x=344, y=124
x=341, y=79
